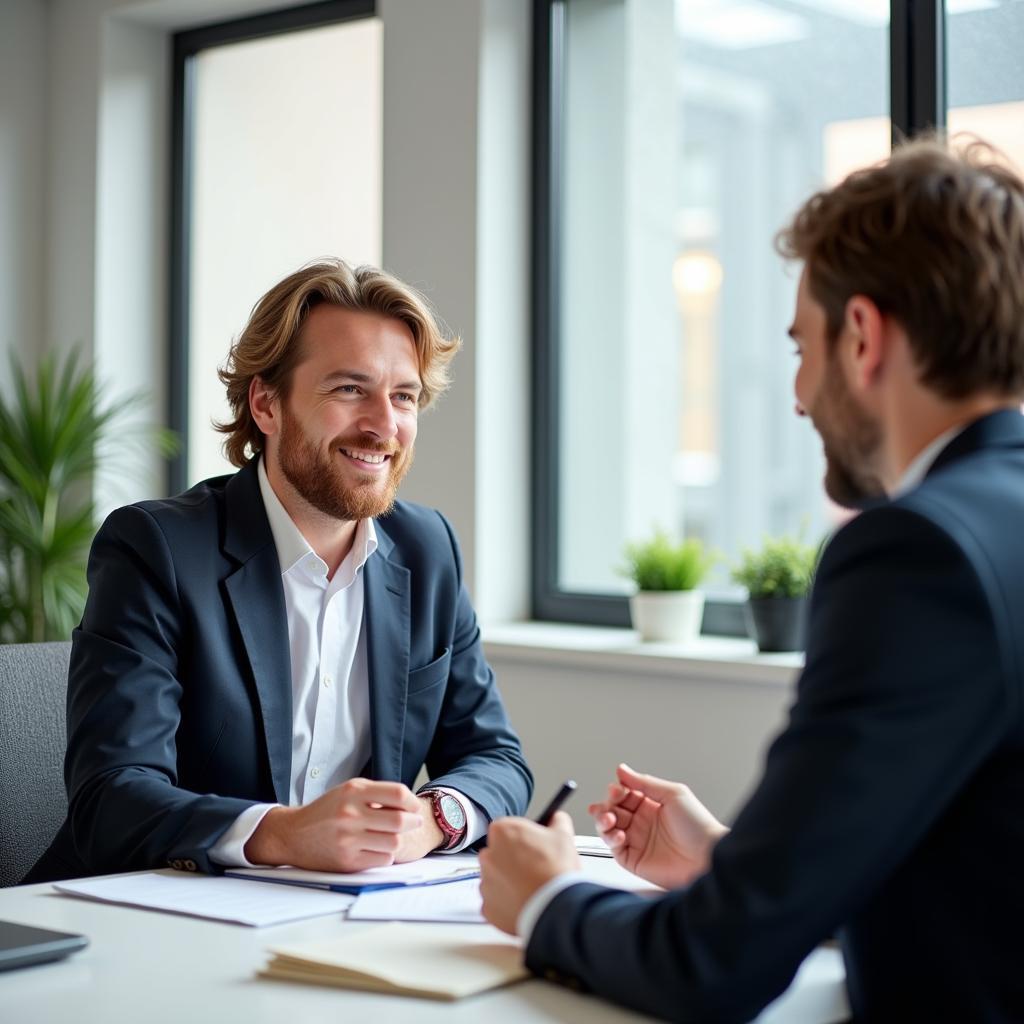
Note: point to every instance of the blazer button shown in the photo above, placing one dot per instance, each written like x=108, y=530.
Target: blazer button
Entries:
x=190, y=865
x=177, y=864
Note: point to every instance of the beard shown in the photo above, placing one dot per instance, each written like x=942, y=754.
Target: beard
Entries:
x=319, y=479
x=851, y=440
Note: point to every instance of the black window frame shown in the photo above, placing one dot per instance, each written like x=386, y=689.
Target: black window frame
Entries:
x=185, y=46
x=917, y=84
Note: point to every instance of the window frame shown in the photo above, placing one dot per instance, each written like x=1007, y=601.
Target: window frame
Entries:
x=917, y=88
x=186, y=45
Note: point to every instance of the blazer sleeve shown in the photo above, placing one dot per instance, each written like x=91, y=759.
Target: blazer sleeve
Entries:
x=894, y=714
x=126, y=810
x=475, y=749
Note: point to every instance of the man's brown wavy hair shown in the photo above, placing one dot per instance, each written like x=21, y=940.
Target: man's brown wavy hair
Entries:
x=270, y=346
x=934, y=236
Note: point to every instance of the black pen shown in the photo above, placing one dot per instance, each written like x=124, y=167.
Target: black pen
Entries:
x=566, y=791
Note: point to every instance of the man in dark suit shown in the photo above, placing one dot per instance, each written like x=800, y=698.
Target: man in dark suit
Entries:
x=890, y=808
x=266, y=662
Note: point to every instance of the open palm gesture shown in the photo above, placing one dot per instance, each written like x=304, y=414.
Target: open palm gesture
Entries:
x=657, y=829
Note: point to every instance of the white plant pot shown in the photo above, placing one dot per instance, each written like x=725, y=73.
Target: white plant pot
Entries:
x=667, y=615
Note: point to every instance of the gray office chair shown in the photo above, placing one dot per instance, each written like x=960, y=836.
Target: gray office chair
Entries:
x=33, y=804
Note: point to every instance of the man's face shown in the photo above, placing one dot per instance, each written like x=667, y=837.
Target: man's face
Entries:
x=348, y=424
x=850, y=436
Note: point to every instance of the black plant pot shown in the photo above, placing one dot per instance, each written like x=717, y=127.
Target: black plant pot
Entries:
x=777, y=623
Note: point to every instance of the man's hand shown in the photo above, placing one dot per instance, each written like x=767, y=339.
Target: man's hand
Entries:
x=358, y=825
x=657, y=829
x=520, y=857
x=420, y=841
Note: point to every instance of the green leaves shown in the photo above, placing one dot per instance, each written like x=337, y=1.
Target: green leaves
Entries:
x=55, y=431
x=783, y=567
x=661, y=564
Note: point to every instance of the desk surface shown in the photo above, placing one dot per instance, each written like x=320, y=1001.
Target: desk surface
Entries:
x=166, y=968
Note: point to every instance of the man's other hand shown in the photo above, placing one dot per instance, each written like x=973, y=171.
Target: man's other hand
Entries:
x=520, y=857
x=657, y=829
x=357, y=825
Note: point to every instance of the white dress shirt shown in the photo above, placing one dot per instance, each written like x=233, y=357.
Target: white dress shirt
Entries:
x=922, y=462
x=330, y=677
x=912, y=476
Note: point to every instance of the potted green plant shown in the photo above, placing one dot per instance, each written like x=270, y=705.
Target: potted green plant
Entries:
x=778, y=577
x=668, y=604
x=56, y=429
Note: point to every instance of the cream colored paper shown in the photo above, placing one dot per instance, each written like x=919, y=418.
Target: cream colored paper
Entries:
x=432, y=961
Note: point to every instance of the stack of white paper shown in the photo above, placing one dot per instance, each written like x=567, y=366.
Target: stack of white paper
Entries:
x=223, y=899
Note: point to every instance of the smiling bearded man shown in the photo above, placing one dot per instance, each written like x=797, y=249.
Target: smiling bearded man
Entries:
x=267, y=661
x=314, y=474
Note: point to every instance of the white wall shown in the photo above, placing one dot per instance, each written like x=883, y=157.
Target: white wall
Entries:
x=456, y=216
x=502, y=391
x=131, y=224
x=430, y=218
x=23, y=91
x=578, y=716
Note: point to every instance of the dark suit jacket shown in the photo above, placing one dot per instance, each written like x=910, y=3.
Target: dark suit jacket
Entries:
x=180, y=694
x=892, y=804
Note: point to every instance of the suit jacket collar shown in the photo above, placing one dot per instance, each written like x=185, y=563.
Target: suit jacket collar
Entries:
x=246, y=527
x=1001, y=429
x=387, y=619
x=257, y=598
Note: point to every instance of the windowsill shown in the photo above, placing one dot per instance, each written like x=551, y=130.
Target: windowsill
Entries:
x=621, y=651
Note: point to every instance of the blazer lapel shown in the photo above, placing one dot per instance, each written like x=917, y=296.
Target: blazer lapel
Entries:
x=387, y=622
x=257, y=599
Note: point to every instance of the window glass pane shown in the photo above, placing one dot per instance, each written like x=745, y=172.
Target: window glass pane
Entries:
x=286, y=168
x=692, y=132
x=986, y=72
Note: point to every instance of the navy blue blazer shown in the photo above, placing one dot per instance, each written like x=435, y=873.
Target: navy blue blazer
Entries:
x=180, y=694
x=891, y=806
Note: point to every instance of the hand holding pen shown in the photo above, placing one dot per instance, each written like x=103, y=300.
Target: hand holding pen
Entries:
x=521, y=856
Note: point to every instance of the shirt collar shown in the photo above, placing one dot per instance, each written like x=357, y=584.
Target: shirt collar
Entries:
x=922, y=462
x=293, y=548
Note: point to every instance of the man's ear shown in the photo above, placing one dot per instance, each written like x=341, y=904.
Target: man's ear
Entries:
x=264, y=406
x=863, y=339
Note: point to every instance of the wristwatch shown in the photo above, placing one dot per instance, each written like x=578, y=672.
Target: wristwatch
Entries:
x=449, y=815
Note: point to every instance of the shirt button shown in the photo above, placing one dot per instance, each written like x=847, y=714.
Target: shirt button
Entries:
x=328, y=680
x=314, y=773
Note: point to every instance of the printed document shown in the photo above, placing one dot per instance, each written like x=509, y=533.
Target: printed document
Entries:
x=458, y=902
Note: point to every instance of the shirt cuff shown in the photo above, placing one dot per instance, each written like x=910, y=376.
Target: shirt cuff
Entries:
x=476, y=817
x=229, y=850
x=538, y=902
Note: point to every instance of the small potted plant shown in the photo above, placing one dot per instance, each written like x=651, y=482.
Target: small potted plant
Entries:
x=667, y=605
x=777, y=577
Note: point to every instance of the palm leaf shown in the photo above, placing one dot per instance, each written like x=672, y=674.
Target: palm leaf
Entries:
x=56, y=431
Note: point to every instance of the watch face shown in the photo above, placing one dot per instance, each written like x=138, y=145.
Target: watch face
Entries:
x=452, y=811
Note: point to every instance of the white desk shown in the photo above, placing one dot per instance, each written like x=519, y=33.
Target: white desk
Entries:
x=166, y=969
